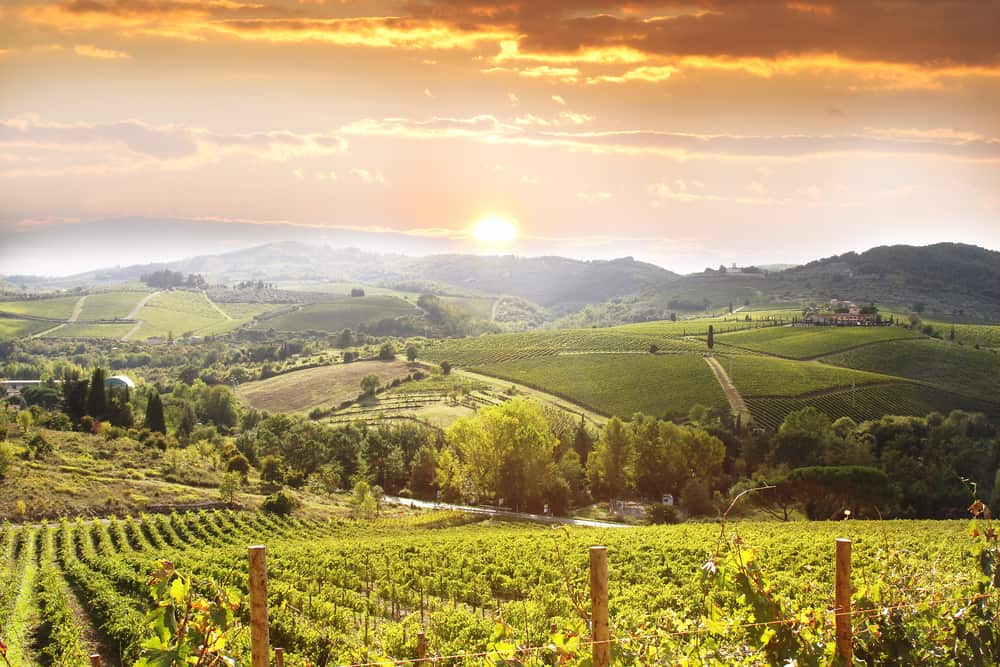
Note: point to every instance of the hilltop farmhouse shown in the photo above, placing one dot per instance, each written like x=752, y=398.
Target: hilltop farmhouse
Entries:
x=843, y=314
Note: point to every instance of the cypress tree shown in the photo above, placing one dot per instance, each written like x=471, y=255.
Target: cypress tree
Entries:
x=711, y=337
x=97, y=400
x=154, y=414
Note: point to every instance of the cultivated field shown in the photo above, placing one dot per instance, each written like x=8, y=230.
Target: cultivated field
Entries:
x=89, y=330
x=14, y=328
x=769, y=376
x=110, y=305
x=811, y=342
x=340, y=313
x=55, y=308
x=619, y=384
x=351, y=593
x=960, y=369
x=322, y=387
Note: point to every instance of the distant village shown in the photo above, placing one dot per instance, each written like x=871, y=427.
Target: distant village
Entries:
x=843, y=314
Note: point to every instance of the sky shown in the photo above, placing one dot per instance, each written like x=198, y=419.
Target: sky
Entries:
x=688, y=133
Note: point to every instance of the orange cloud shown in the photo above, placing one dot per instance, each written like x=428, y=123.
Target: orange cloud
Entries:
x=90, y=51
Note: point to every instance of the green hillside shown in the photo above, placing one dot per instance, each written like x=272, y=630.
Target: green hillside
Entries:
x=807, y=342
x=340, y=313
x=619, y=384
x=110, y=305
x=957, y=368
x=56, y=308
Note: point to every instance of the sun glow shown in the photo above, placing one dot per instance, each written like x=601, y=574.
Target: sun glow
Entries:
x=494, y=229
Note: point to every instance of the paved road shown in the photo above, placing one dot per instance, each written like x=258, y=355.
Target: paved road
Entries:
x=502, y=514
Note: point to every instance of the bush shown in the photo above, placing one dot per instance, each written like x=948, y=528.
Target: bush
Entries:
x=696, y=497
x=39, y=447
x=387, y=352
x=238, y=463
x=6, y=457
x=281, y=503
x=661, y=513
x=295, y=479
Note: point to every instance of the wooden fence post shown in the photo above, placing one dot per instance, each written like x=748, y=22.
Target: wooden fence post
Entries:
x=95, y=660
x=842, y=600
x=260, y=649
x=599, y=627
x=421, y=648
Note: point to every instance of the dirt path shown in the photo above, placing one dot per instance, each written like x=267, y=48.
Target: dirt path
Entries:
x=493, y=310
x=736, y=402
x=76, y=309
x=224, y=314
x=134, y=313
x=48, y=331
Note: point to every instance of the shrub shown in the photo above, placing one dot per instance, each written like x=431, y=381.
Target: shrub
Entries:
x=6, y=457
x=387, y=352
x=281, y=503
x=661, y=513
x=295, y=479
x=238, y=463
x=39, y=447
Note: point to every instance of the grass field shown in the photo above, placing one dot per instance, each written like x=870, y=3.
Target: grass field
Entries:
x=89, y=330
x=619, y=384
x=184, y=313
x=340, y=313
x=13, y=328
x=769, y=376
x=958, y=368
x=811, y=342
x=56, y=308
x=321, y=387
x=110, y=305
x=984, y=335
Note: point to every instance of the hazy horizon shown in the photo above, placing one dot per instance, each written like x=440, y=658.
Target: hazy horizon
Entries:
x=683, y=133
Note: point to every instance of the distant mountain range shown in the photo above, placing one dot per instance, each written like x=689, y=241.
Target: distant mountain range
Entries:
x=943, y=279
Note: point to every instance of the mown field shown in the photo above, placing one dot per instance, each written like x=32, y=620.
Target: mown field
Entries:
x=811, y=342
x=340, y=313
x=323, y=387
x=618, y=384
x=342, y=592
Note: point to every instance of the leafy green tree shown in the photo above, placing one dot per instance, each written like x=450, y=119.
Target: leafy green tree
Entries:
x=6, y=457
x=370, y=384
x=423, y=472
x=446, y=367
x=271, y=470
x=230, y=486
x=218, y=405
x=583, y=443
x=504, y=450
x=25, y=421
x=187, y=422
x=363, y=503
x=239, y=464
x=386, y=352
x=611, y=466
x=155, y=420
x=411, y=353
x=97, y=400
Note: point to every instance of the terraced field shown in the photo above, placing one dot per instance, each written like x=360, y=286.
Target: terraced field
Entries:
x=340, y=313
x=811, y=342
x=618, y=384
x=960, y=369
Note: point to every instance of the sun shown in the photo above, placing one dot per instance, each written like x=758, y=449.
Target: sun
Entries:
x=494, y=229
